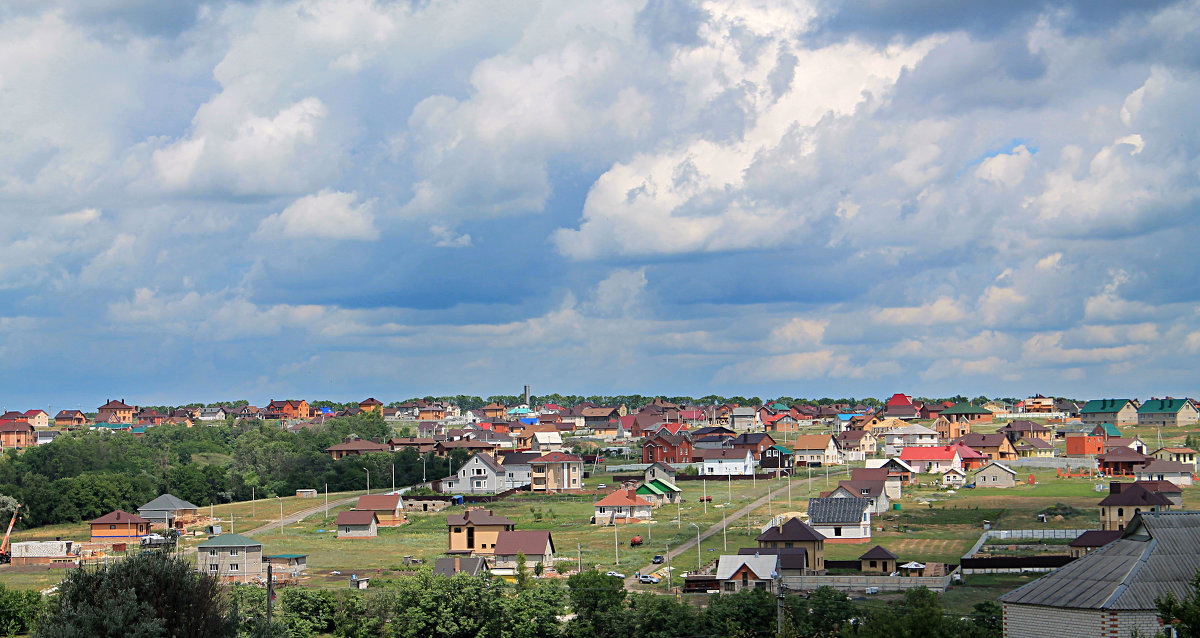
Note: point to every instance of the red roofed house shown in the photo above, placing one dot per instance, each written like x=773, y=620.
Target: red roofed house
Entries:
x=622, y=506
x=932, y=460
x=115, y=412
x=37, y=418
x=288, y=410
x=69, y=418
x=972, y=459
x=119, y=527
x=781, y=422
x=901, y=406
x=352, y=445
x=16, y=434
x=388, y=508
x=662, y=447
x=371, y=405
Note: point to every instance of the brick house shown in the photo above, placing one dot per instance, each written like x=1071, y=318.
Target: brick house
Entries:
x=662, y=447
x=371, y=405
x=232, y=558
x=1168, y=412
x=119, y=527
x=115, y=412
x=37, y=418
x=1117, y=411
x=475, y=531
x=353, y=446
x=16, y=435
x=68, y=418
x=290, y=409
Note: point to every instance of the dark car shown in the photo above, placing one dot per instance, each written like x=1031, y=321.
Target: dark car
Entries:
x=658, y=559
x=814, y=464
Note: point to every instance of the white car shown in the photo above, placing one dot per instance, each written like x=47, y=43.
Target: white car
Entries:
x=617, y=574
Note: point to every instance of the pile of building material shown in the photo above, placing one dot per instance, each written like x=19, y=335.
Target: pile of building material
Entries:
x=43, y=552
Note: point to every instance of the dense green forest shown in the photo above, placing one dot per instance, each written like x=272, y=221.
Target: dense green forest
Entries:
x=84, y=475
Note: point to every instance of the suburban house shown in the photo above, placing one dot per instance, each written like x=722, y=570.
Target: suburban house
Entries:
x=69, y=418
x=910, y=435
x=874, y=490
x=900, y=406
x=659, y=492
x=475, y=531
x=756, y=442
x=536, y=545
x=1033, y=448
x=450, y=565
x=816, y=449
x=1171, y=491
x=1092, y=540
x=115, y=412
x=37, y=418
x=878, y=560
x=388, y=508
x=778, y=460
x=899, y=473
x=1126, y=500
x=996, y=475
x=600, y=418
x=727, y=462
x=482, y=474
x=288, y=410
x=371, y=405
x=931, y=460
x=662, y=447
x=967, y=412
x=1131, y=442
x=1159, y=470
x=232, y=558
x=423, y=445
x=1105, y=431
x=996, y=446
x=1037, y=404
x=948, y=430
x=794, y=534
x=353, y=446
x=1084, y=444
x=544, y=442
x=119, y=527
x=660, y=471
x=736, y=572
x=743, y=418
x=169, y=511
x=1112, y=590
x=556, y=472
x=357, y=524
x=953, y=477
x=149, y=416
x=1121, y=461
x=1026, y=429
x=16, y=434
x=622, y=506
x=216, y=413
x=1120, y=412
x=1185, y=455
x=493, y=411
x=841, y=520
x=856, y=445
x=1168, y=412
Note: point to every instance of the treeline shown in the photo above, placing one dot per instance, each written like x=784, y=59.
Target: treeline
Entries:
x=84, y=475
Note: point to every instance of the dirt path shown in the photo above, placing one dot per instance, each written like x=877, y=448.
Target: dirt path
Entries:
x=716, y=529
x=296, y=517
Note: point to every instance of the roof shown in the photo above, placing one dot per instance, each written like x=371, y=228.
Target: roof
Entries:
x=939, y=453
x=1133, y=495
x=557, y=457
x=1162, y=406
x=810, y=442
x=864, y=488
x=1154, y=556
x=837, y=510
x=964, y=408
x=977, y=440
x=878, y=553
x=356, y=517
x=792, y=529
x=286, y=556
x=868, y=474
x=1108, y=429
x=477, y=517
x=116, y=405
x=358, y=445
x=1123, y=454
x=378, y=502
x=722, y=454
x=120, y=516
x=1036, y=443
x=1165, y=467
x=762, y=566
x=789, y=557
x=230, y=540
x=911, y=428
x=1000, y=466
x=451, y=565
x=1024, y=425
x=168, y=503
x=622, y=498
x=528, y=542
x=15, y=426
x=519, y=458
x=1096, y=538
x=1100, y=406
x=1161, y=487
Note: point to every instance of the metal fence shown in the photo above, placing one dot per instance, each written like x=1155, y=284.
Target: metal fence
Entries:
x=861, y=582
x=1007, y=534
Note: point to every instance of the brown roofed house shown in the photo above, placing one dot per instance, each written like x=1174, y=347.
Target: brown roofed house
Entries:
x=352, y=446
x=119, y=527
x=475, y=530
x=536, y=545
x=357, y=524
x=388, y=508
x=794, y=533
x=1126, y=500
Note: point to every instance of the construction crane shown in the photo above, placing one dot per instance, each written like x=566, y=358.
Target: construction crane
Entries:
x=5, y=553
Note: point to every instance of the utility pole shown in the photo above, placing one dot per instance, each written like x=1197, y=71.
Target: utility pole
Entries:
x=280, y=515
x=252, y=504
x=670, y=574
x=705, y=499
x=616, y=545
x=393, y=477
x=724, y=531
x=270, y=592
x=579, y=556
x=326, y=500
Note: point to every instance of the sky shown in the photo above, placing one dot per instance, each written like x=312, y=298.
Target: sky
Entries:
x=205, y=201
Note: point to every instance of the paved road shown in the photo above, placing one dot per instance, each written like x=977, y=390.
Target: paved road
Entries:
x=730, y=520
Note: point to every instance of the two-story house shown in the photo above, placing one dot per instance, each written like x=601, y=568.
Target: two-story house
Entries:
x=475, y=531
x=115, y=412
x=482, y=474
x=1167, y=412
x=556, y=472
x=1120, y=412
x=232, y=558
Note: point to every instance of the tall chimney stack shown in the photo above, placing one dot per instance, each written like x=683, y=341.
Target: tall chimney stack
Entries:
x=526, y=395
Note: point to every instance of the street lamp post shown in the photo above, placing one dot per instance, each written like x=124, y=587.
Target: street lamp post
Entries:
x=280, y=515
x=699, y=555
x=423, y=459
x=368, y=479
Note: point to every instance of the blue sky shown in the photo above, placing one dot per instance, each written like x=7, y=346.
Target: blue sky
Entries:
x=341, y=199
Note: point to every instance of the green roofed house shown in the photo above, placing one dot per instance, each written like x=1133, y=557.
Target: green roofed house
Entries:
x=232, y=558
x=1117, y=411
x=1171, y=412
x=1106, y=430
x=960, y=412
x=659, y=492
x=778, y=407
x=287, y=569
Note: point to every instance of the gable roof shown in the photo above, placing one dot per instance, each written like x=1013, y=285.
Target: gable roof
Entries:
x=1096, y=538
x=977, y=440
x=878, y=553
x=939, y=453
x=1162, y=406
x=822, y=511
x=762, y=565
x=811, y=442
x=356, y=517
x=230, y=540
x=863, y=488
x=557, y=457
x=1104, y=406
x=722, y=454
x=1165, y=467
x=119, y=516
x=116, y=405
x=529, y=542
x=358, y=445
x=1035, y=443
x=1000, y=466
x=168, y=502
x=1154, y=556
x=622, y=498
x=477, y=517
x=378, y=502
x=869, y=474
x=1133, y=494
x=793, y=529
x=1023, y=425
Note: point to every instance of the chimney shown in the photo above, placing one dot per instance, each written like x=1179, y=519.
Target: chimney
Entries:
x=1115, y=487
x=526, y=395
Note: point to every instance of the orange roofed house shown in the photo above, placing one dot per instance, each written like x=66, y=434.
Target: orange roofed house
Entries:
x=288, y=410
x=388, y=508
x=115, y=412
x=119, y=527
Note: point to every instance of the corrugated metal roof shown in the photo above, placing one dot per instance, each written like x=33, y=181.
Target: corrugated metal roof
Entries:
x=837, y=510
x=762, y=566
x=1156, y=555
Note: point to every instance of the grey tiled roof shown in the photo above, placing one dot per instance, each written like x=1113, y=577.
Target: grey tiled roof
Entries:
x=1156, y=555
x=836, y=510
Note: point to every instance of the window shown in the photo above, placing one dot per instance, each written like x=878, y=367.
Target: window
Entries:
x=112, y=527
x=233, y=567
x=873, y=564
x=233, y=552
x=730, y=587
x=1120, y=511
x=837, y=531
x=212, y=567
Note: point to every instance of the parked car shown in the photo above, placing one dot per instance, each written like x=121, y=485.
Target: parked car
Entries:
x=647, y=579
x=601, y=486
x=658, y=559
x=617, y=574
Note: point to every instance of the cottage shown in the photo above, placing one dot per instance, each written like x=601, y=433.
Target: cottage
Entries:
x=69, y=418
x=779, y=460
x=967, y=412
x=953, y=477
x=622, y=506
x=371, y=405
x=1167, y=489
x=1111, y=591
x=1185, y=455
x=482, y=474
x=115, y=412
x=816, y=449
x=16, y=435
x=898, y=471
x=874, y=490
x=1121, y=461
x=795, y=535
x=536, y=545
x=948, y=430
x=663, y=447
x=727, y=462
x=737, y=572
x=357, y=524
x=169, y=511
x=475, y=531
x=931, y=460
x=232, y=558
x=1117, y=411
x=660, y=492
x=215, y=413
x=996, y=475
x=744, y=418
x=1034, y=448
x=556, y=472
x=660, y=471
x=841, y=520
x=1025, y=429
x=878, y=560
x=1167, y=412
x=909, y=435
x=37, y=418
x=1126, y=500
x=388, y=508
x=995, y=446
x=900, y=406
x=1081, y=444
x=857, y=445
x=1159, y=470
x=119, y=527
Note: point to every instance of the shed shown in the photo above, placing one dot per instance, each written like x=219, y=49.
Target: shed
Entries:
x=357, y=524
x=878, y=559
x=996, y=475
